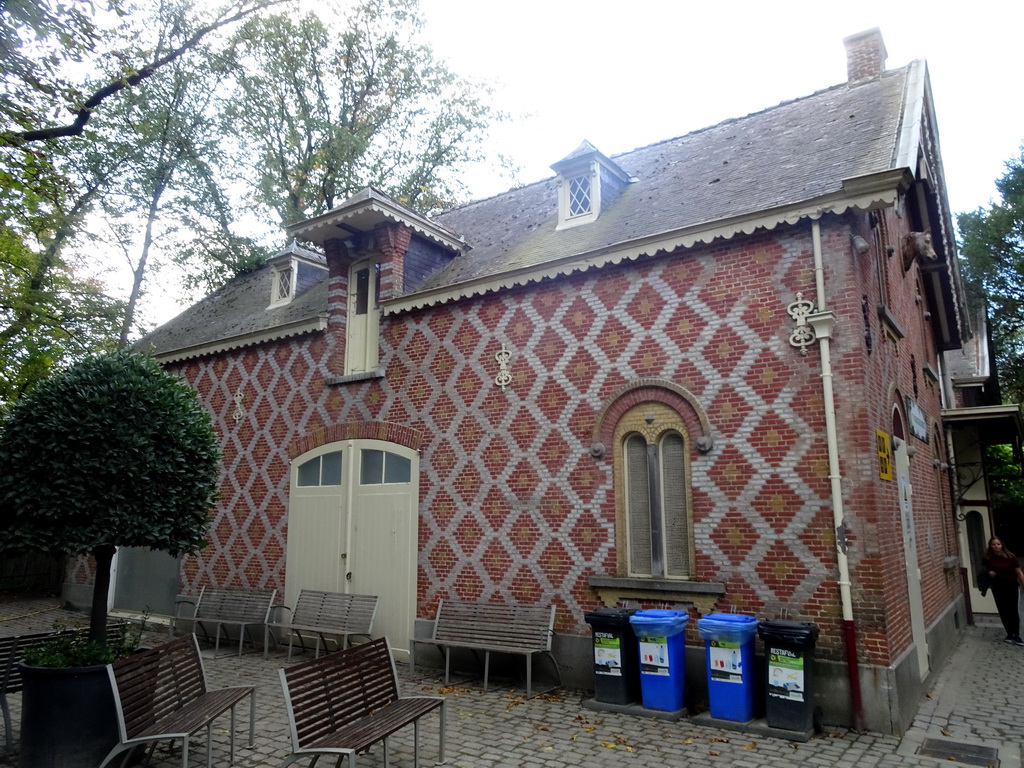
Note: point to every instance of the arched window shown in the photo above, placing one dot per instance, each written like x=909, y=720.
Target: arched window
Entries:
x=653, y=493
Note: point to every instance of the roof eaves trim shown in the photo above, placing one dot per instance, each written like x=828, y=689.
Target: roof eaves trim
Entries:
x=908, y=141
x=297, y=328
x=332, y=223
x=860, y=193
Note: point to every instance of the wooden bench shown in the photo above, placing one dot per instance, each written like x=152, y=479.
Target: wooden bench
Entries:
x=12, y=653
x=487, y=627
x=238, y=607
x=160, y=693
x=343, y=703
x=326, y=613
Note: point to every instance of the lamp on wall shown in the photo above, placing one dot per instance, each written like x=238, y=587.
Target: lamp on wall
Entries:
x=860, y=245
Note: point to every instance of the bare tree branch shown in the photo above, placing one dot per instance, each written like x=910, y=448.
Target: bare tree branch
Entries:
x=75, y=128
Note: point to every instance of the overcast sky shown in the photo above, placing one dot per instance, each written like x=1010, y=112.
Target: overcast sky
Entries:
x=623, y=75
x=626, y=74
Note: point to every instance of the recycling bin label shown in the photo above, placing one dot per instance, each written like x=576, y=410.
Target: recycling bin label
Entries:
x=607, y=654
x=654, y=656
x=785, y=674
x=726, y=661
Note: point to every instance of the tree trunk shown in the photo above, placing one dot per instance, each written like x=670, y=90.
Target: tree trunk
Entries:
x=104, y=556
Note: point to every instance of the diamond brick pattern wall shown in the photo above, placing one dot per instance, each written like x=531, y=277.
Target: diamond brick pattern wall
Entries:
x=512, y=503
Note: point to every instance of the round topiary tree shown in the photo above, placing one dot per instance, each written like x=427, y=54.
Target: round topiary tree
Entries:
x=113, y=451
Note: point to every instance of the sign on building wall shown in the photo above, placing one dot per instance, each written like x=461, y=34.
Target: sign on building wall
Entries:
x=884, y=450
x=918, y=422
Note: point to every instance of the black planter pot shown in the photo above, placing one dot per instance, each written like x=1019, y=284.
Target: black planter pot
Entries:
x=68, y=719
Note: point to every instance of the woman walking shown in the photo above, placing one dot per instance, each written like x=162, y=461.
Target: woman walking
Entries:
x=1006, y=575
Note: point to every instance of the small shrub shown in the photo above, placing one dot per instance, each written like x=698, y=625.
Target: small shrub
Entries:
x=74, y=648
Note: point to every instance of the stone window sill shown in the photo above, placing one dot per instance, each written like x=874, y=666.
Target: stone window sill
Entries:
x=703, y=595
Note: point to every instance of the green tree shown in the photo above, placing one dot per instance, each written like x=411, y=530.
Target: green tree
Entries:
x=113, y=451
x=992, y=247
x=66, y=64
x=331, y=102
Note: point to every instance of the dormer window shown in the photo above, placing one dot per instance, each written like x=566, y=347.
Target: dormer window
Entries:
x=580, y=201
x=284, y=283
x=292, y=272
x=587, y=181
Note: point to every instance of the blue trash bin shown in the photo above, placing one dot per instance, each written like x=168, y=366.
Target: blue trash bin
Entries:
x=729, y=638
x=662, y=648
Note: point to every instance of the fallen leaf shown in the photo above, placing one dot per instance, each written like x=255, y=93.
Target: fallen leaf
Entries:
x=751, y=745
x=714, y=754
x=608, y=744
x=718, y=739
x=686, y=741
x=946, y=733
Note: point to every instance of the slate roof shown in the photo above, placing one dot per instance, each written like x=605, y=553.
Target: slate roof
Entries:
x=239, y=309
x=797, y=151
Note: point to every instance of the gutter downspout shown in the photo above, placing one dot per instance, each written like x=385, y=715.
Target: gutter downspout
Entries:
x=823, y=321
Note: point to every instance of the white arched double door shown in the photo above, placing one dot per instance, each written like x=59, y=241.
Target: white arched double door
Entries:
x=352, y=527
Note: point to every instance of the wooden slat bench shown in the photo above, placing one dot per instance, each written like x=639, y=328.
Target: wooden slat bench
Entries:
x=238, y=607
x=326, y=613
x=160, y=693
x=12, y=653
x=487, y=627
x=343, y=703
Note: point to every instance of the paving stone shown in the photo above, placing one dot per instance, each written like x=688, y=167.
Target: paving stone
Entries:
x=501, y=728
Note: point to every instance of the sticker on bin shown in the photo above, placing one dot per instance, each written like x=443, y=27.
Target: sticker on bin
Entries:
x=785, y=674
x=607, y=654
x=726, y=659
x=654, y=656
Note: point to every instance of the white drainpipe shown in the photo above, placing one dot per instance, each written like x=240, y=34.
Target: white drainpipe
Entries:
x=823, y=321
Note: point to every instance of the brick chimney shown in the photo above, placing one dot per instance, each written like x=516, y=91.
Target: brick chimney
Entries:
x=865, y=55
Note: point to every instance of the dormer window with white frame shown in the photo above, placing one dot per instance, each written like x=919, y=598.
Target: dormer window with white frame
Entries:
x=292, y=271
x=587, y=180
x=284, y=283
x=580, y=200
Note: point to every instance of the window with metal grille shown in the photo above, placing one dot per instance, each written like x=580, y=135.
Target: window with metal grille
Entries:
x=656, y=515
x=580, y=200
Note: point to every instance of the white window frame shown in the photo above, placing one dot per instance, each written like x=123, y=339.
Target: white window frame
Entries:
x=277, y=296
x=362, y=347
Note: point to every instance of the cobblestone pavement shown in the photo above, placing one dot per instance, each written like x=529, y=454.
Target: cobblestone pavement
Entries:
x=976, y=699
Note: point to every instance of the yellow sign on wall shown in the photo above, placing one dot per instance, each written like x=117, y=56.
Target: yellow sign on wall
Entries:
x=883, y=447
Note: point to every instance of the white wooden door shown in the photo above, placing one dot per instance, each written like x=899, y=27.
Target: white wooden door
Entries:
x=382, y=558
x=317, y=523
x=355, y=530
x=917, y=623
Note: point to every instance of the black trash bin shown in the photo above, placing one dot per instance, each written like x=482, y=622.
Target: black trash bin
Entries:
x=789, y=674
x=616, y=663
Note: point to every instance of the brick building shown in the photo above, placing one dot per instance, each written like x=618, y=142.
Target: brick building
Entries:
x=704, y=373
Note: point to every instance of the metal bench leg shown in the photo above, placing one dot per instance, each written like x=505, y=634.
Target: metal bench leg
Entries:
x=416, y=743
x=442, y=730
x=252, y=719
x=529, y=675
x=7, y=720
x=487, y=667
x=447, y=663
x=231, y=738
